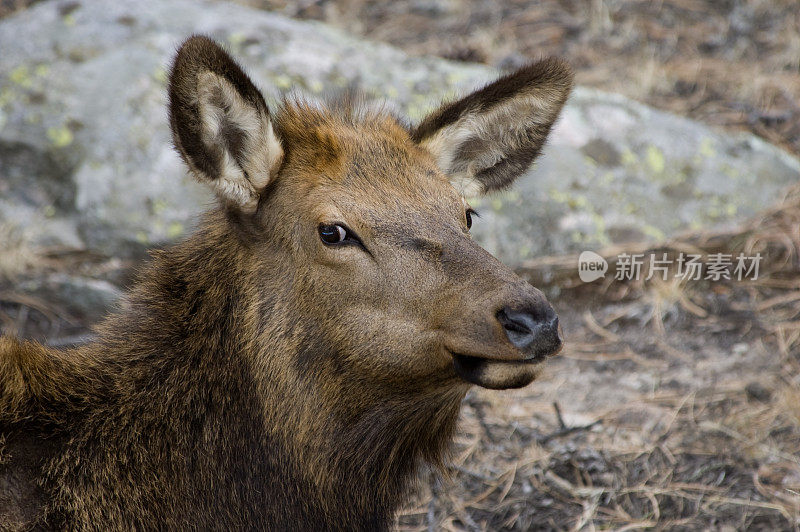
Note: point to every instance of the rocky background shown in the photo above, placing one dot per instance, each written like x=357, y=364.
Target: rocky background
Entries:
x=676, y=404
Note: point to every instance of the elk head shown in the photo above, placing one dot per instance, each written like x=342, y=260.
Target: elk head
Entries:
x=356, y=227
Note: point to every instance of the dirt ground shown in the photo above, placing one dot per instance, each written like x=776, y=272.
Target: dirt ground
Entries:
x=674, y=405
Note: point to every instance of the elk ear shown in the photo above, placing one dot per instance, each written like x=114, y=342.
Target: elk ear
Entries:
x=487, y=139
x=221, y=125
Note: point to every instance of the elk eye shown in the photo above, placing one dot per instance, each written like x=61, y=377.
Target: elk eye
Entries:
x=332, y=234
x=469, y=214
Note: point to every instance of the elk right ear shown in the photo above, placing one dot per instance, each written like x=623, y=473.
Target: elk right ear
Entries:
x=221, y=125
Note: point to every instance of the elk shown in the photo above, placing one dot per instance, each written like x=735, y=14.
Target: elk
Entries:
x=294, y=362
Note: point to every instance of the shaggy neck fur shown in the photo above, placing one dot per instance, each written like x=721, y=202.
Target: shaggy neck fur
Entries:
x=179, y=413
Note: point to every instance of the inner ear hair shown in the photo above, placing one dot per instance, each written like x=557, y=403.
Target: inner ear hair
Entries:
x=231, y=130
x=490, y=137
x=221, y=125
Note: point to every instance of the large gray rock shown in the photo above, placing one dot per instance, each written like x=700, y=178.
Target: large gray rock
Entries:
x=85, y=157
x=618, y=171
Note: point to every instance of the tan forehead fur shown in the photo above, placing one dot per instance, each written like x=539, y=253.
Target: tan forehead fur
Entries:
x=349, y=145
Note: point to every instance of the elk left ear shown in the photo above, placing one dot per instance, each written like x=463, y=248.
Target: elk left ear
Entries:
x=487, y=139
x=221, y=125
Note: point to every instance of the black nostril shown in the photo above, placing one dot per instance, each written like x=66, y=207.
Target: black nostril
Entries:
x=521, y=327
x=518, y=326
x=534, y=330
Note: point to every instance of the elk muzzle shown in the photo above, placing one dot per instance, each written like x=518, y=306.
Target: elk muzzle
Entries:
x=503, y=349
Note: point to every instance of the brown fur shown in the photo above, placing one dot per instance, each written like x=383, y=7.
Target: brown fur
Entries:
x=258, y=378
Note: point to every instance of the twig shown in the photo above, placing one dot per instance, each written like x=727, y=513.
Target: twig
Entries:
x=559, y=417
x=564, y=429
x=567, y=430
x=431, y=516
x=470, y=473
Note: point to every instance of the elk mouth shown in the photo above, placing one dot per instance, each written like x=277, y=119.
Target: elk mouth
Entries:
x=496, y=374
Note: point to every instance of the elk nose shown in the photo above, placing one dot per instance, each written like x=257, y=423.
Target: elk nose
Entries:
x=533, y=331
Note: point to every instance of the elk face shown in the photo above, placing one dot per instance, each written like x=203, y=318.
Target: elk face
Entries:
x=367, y=224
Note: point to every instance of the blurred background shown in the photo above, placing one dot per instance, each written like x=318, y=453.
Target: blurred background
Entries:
x=676, y=402
x=731, y=63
